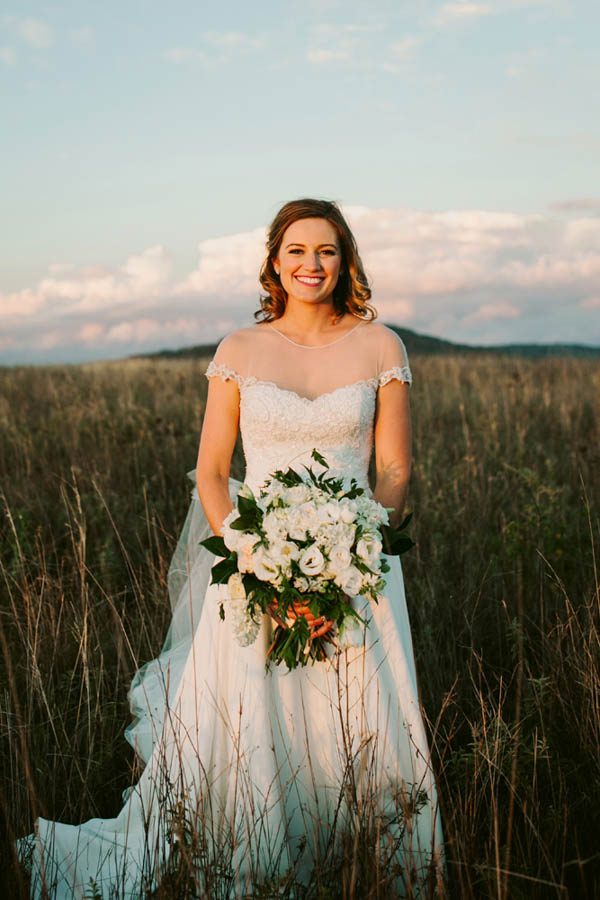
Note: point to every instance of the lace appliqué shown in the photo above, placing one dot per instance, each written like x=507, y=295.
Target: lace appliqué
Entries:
x=402, y=373
x=224, y=372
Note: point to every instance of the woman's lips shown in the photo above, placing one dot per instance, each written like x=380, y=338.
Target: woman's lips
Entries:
x=307, y=280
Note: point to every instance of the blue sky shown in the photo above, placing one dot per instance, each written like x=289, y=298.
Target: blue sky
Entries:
x=146, y=146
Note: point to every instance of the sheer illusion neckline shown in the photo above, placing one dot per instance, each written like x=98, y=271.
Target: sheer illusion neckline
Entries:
x=316, y=346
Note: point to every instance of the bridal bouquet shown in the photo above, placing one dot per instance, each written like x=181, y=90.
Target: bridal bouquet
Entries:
x=304, y=538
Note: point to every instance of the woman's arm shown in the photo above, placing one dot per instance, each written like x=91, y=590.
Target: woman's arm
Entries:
x=217, y=443
x=393, y=442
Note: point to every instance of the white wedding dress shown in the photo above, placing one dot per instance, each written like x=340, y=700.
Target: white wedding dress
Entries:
x=260, y=762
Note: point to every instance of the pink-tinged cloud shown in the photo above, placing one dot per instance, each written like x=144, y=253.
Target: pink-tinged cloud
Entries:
x=591, y=302
x=91, y=332
x=489, y=311
x=466, y=275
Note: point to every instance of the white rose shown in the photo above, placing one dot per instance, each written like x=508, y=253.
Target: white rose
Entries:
x=312, y=561
x=369, y=548
x=265, y=568
x=236, y=588
x=231, y=536
x=308, y=516
x=245, y=545
x=348, y=510
x=296, y=530
x=330, y=511
x=283, y=552
x=350, y=581
x=340, y=559
x=274, y=527
x=297, y=494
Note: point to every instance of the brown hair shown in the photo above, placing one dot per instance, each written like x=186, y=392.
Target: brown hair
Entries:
x=351, y=293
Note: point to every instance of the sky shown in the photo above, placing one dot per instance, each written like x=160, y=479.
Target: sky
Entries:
x=145, y=147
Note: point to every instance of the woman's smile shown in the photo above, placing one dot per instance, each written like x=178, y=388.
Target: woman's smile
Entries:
x=311, y=280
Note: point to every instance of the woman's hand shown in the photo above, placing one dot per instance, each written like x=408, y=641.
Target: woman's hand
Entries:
x=319, y=625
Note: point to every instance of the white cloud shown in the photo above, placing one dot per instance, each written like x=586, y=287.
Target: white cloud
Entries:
x=405, y=47
x=460, y=12
x=8, y=56
x=235, y=40
x=68, y=291
x=228, y=266
x=577, y=203
x=218, y=47
x=336, y=43
x=469, y=275
x=35, y=32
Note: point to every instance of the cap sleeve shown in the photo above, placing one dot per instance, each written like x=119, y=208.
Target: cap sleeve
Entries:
x=393, y=359
x=229, y=361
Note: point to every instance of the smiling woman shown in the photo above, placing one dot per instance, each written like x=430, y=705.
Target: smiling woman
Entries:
x=318, y=245
x=255, y=775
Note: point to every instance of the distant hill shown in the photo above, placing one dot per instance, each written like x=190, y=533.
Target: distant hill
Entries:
x=420, y=344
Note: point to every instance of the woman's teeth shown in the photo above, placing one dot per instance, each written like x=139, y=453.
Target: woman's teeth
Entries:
x=307, y=280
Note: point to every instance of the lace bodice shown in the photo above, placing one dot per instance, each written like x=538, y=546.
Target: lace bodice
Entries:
x=279, y=427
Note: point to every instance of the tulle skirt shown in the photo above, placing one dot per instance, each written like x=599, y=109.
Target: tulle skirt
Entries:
x=255, y=772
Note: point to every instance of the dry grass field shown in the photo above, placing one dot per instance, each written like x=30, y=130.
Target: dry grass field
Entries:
x=502, y=587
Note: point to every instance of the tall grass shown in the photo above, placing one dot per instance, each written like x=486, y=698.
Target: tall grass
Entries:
x=502, y=587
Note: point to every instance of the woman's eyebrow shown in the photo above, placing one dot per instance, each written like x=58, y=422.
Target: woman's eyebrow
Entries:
x=296, y=244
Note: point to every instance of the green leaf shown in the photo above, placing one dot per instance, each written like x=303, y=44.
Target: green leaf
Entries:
x=223, y=570
x=216, y=545
x=320, y=459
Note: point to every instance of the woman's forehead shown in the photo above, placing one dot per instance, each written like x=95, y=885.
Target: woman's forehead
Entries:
x=310, y=230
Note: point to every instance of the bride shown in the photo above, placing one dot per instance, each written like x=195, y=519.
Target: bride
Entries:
x=256, y=775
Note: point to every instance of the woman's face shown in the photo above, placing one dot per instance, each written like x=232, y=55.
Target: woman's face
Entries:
x=309, y=260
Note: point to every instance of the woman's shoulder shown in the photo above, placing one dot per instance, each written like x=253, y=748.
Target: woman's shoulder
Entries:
x=240, y=336
x=383, y=335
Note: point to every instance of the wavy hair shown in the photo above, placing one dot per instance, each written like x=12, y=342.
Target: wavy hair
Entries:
x=351, y=293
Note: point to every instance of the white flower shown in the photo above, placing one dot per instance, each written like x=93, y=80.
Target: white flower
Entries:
x=246, y=542
x=297, y=494
x=340, y=533
x=301, y=583
x=348, y=510
x=265, y=568
x=330, y=511
x=308, y=516
x=236, y=588
x=230, y=535
x=244, y=628
x=283, y=552
x=350, y=580
x=340, y=559
x=312, y=561
x=296, y=528
x=274, y=526
x=351, y=633
x=368, y=548
x=246, y=491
